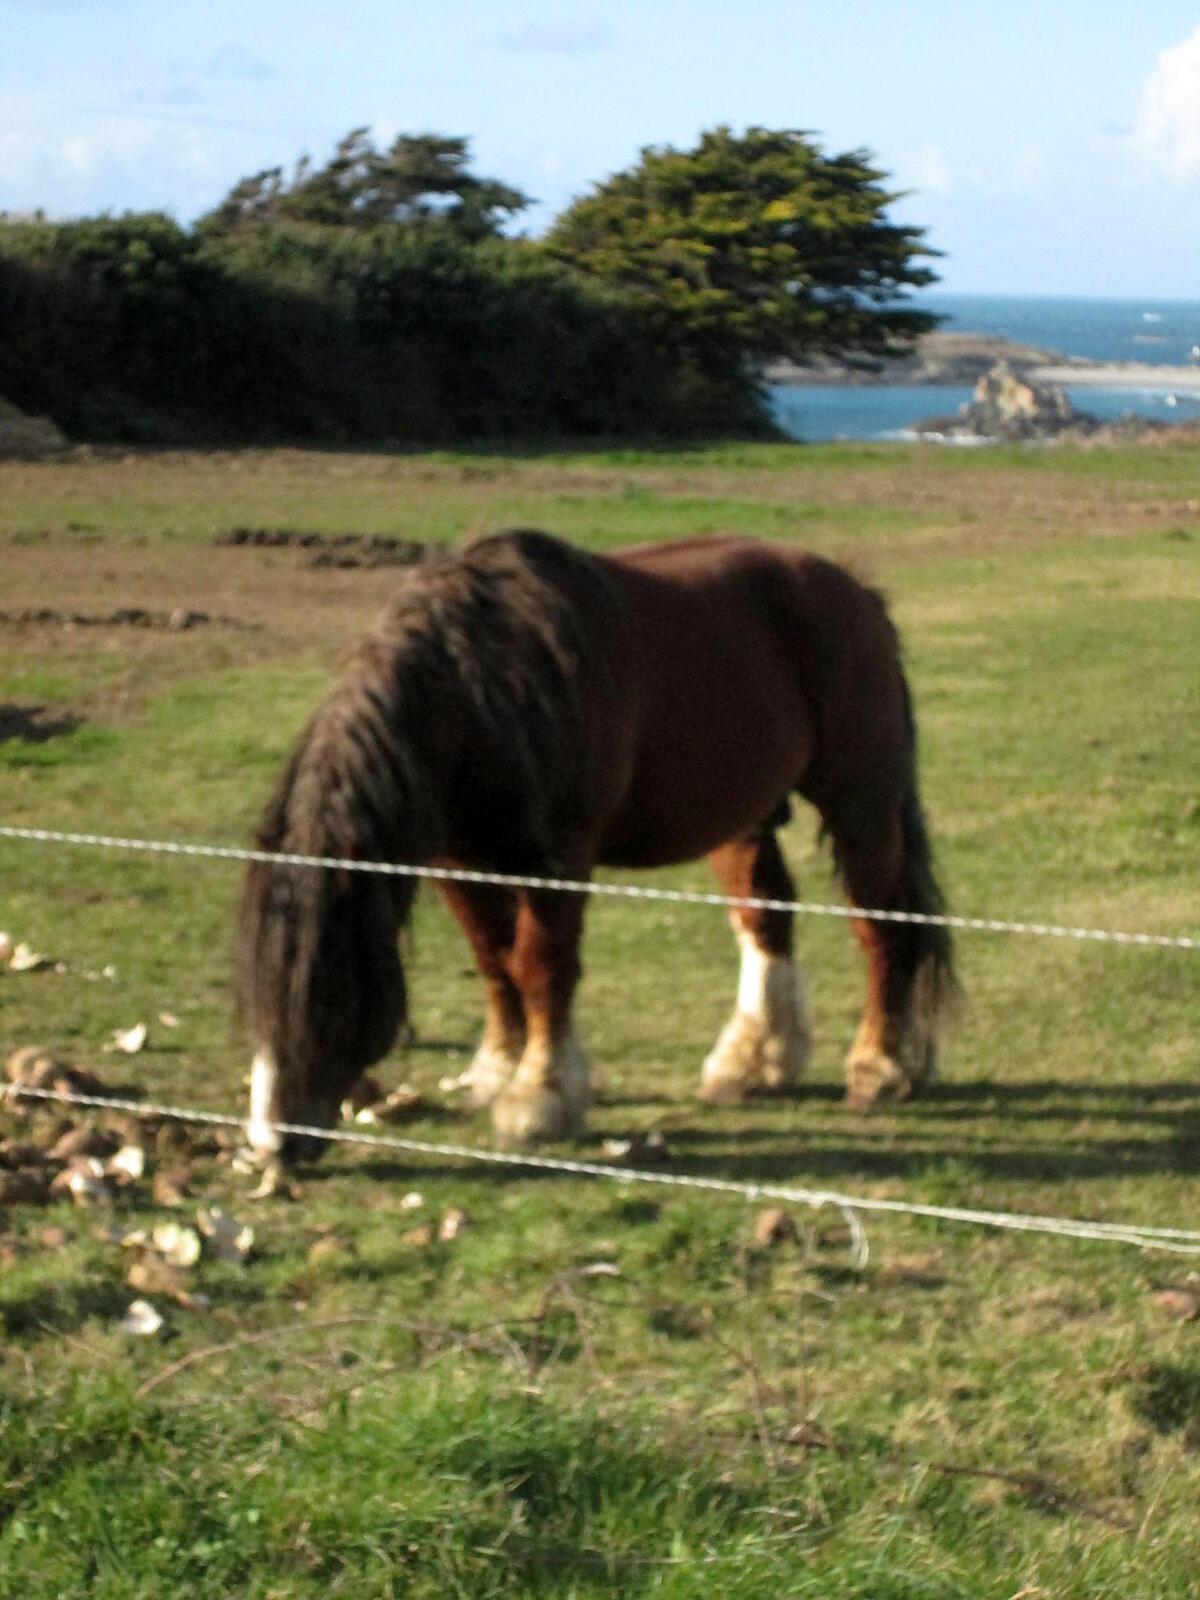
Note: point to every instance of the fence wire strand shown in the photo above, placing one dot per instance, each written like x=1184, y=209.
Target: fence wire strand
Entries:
x=509, y=880
x=1180, y=1240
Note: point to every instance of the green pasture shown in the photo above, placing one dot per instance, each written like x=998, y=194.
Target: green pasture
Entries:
x=974, y=1414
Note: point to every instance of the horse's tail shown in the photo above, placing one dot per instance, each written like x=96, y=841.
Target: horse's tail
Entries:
x=929, y=947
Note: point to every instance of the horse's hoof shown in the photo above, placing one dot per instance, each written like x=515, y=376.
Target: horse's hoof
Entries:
x=543, y=1117
x=723, y=1091
x=490, y=1072
x=924, y=1069
x=749, y=1058
x=876, y=1080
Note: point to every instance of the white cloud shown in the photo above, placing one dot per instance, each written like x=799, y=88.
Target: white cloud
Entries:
x=70, y=160
x=235, y=61
x=1170, y=121
x=927, y=171
x=560, y=38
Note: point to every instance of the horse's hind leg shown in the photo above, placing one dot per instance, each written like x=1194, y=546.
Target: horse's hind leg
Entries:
x=885, y=867
x=765, y=1044
x=547, y=1096
x=488, y=916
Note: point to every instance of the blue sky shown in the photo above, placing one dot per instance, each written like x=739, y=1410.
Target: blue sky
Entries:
x=1051, y=147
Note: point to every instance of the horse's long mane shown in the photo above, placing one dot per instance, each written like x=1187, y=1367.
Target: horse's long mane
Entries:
x=456, y=727
x=507, y=633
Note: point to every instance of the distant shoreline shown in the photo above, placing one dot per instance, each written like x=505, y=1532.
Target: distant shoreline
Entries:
x=958, y=360
x=1122, y=375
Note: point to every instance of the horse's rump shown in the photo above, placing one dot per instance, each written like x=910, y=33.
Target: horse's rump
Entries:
x=755, y=671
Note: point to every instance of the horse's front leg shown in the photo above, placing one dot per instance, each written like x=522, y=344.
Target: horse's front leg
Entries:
x=765, y=1044
x=547, y=1096
x=488, y=917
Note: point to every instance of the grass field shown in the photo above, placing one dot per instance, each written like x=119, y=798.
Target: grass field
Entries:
x=364, y=1411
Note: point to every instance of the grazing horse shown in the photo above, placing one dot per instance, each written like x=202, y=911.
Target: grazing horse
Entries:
x=526, y=708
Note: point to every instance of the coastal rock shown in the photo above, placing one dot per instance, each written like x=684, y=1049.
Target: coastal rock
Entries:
x=1007, y=405
x=1019, y=407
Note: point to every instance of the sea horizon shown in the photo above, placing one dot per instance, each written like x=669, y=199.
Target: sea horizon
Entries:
x=936, y=292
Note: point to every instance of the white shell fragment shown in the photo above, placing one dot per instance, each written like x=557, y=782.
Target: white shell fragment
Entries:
x=176, y=1244
x=271, y=1183
x=83, y=1180
x=129, y=1162
x=453, y=1223
x=401, y=1105
x=367, y=1091
x=412, y=1201
x=644, y=1148
x=168, y=1019
x=142, y=1319
x=128, y=1040
x=229, y=1239
x=87, y=1184
x=127, y=1238
x=26, y=959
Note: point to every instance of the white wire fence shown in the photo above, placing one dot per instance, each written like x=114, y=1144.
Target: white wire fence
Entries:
x=852, y=1208
x=1182, y=1241
x=626, y=891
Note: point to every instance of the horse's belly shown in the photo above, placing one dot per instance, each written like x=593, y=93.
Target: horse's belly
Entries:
x=720, y=727
x=687, y=795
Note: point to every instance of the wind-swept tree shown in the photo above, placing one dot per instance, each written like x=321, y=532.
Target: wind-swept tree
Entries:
x=754, y=246
x=420, y=180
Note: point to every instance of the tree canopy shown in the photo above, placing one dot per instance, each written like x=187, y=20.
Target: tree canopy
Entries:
x=378, y=296
x=755, y=246
x=420, y=180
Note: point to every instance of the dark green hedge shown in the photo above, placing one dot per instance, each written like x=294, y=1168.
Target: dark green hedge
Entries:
x=131, y=327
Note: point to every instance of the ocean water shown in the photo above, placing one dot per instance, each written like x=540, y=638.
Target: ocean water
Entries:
x=1157, y=332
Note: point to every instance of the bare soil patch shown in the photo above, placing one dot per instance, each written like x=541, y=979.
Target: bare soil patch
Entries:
x=177, y=621
x=348, y=550
x=35, y=724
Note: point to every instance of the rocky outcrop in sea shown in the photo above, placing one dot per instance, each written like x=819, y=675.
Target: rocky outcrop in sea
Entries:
x=1011, y=406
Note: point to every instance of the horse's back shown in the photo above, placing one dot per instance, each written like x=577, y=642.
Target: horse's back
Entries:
x=666, y=698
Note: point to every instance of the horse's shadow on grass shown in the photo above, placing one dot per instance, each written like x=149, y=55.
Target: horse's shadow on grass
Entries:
x=925, y=1141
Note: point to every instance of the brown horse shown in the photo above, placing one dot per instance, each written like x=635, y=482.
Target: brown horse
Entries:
x=530, y=709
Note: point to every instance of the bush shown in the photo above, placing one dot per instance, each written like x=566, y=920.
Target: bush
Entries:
x=132, y=327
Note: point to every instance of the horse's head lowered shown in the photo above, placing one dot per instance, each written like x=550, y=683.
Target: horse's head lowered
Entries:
x=322, y=992
x=321, y=987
